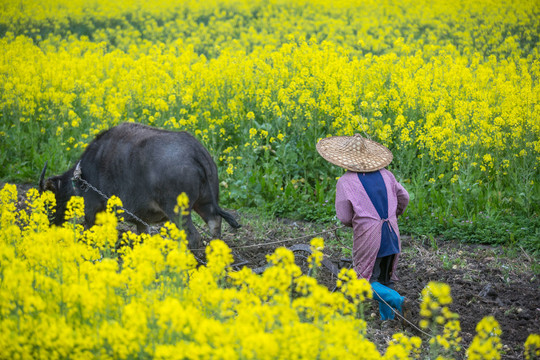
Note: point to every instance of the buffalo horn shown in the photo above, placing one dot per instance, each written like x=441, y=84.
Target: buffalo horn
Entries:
x=42, y=177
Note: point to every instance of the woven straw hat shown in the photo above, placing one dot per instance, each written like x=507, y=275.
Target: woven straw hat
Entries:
x=355, y=153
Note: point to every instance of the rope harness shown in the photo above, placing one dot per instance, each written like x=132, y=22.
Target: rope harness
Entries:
x=77, y=176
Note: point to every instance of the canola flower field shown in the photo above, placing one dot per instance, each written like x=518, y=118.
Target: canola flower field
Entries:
x=450, y=87
x=71, y=293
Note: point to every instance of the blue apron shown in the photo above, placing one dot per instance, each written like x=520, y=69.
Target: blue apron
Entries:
x=373, y=183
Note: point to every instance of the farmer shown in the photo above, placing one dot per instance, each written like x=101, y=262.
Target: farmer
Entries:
x=369, y=199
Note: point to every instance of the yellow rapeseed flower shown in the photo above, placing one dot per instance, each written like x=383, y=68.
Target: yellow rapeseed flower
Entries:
x=75, y=208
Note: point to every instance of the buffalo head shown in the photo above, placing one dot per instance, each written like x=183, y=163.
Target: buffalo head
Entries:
x=62, y=189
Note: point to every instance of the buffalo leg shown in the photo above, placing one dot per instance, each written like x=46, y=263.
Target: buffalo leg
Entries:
x=210, y=215
x=141, y=228
x=193, y=236
x=92, y=206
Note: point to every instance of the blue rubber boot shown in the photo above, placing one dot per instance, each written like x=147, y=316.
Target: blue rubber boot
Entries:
x=390, y=296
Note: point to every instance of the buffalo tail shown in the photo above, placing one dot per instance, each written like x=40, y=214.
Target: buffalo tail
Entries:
x=229, y=218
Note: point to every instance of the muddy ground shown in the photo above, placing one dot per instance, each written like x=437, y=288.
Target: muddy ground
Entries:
x=485, y=280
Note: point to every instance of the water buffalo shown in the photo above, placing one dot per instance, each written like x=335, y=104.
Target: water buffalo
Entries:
x=147, y=168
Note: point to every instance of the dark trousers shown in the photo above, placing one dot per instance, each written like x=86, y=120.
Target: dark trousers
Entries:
x=382, y=271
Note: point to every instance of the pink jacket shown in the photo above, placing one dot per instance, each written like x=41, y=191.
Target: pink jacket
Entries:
x=354, y=208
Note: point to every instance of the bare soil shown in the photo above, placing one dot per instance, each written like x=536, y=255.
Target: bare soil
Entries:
x=485, y=280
